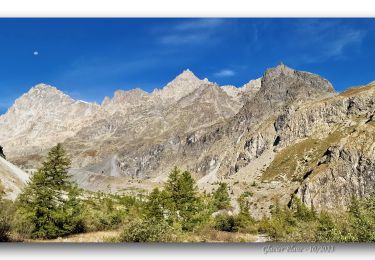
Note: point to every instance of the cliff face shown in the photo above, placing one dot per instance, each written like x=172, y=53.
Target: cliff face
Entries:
x=346, y=168
x=283, y=134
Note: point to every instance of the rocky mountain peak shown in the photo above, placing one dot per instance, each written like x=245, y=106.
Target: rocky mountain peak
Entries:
x=281, y=71
x=187, y=75
x=44, y=88
x=283, y=83
x=182, y=85
x=43, y=92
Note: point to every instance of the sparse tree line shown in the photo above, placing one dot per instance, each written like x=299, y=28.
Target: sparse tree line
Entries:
x=52, y=206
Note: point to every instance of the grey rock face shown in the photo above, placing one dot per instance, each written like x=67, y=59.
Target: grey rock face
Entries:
x=282, y=86
x=348, y=172
x=345, y=124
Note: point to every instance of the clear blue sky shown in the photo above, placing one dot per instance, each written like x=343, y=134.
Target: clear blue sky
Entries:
x=91, y=58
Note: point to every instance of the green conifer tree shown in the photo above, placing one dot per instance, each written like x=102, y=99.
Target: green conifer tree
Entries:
x=155, y=205
x=51, y=201
x=183, y=202
x=221, y=199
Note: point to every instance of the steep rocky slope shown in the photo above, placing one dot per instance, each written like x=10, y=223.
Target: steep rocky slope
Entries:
x=12, y=179
x=324, y=153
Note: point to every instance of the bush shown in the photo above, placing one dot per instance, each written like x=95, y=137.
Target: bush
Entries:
x=6, y=214
x=147, y=231
x=301, y=224
x=101, y=212
x=22, y=223
x=362, y=220
x=280, y=225
x=244, y=220
x=225, y=222
x=330, y=229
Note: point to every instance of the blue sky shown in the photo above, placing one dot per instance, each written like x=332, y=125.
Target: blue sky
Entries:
x=91, y=58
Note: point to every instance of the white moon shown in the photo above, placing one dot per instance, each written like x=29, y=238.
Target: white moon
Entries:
x=36, y=53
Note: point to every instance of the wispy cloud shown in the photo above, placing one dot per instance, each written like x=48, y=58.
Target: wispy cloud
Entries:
x=225, y=73
x=176, y=39
x=208, y=23
x=337, y=46
x=321, y=40
x=194, y=31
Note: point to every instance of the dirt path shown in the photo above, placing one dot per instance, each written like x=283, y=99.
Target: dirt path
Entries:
x=261, y=238
x=105, y=236
x=91, y=237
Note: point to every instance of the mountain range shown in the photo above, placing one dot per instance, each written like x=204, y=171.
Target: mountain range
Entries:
x=288, y=133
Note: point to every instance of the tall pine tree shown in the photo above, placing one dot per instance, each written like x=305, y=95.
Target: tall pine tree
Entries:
x=51, y=201
x=183, y=202
x=221, y=199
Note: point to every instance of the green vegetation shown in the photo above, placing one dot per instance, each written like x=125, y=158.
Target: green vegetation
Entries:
x=221, y=199
x=151, y=230
x=178, y=208
x=301, y=224
x=181, y=212
x=226, y=222
x=107, y=212
x=242, y=222
x=6, y=213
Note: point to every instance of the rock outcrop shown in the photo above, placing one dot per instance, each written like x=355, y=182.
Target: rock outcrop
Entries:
x=2, y=152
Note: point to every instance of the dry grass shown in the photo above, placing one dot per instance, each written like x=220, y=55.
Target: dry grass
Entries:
x=208, y=235
x=91, y=237
x=90, y=153
x=356, y=90
x=290, y=162
x=228, y=237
